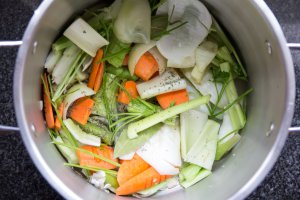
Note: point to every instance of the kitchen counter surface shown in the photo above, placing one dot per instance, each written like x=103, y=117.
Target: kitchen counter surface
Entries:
x=20, y=179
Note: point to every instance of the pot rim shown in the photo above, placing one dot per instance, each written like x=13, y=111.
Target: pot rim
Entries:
x=64, y=190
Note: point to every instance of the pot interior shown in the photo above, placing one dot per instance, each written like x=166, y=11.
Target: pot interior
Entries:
x=261, y=44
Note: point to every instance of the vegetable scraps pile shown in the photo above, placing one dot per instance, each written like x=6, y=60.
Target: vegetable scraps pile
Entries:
x=141, y=96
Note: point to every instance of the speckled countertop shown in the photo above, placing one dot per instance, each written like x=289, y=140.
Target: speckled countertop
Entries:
x=19, y=179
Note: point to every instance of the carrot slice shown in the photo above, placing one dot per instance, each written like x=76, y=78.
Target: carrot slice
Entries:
x=130, y=86
x=81, y=110
x=57, y=124
x=89, y=160
x=131, y=168
x=95, y=68
x=146, y=67
x=99, y=77
x=142, y=181
x=170, y=98
x=47, y=104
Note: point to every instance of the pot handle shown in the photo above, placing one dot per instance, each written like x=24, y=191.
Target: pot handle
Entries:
x=4, y=128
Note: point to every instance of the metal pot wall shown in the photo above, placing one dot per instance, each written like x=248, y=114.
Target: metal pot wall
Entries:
x=262, y=45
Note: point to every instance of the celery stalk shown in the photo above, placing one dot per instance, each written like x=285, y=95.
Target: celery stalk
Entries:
x=236, y=114
x=147, y=122
x=201, y=175
x=226, y=145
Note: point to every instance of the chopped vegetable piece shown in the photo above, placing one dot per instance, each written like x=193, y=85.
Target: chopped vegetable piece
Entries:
x=162, y=151
x=81, y=110
x=76, y=92
x=121, y=72
x=131, y=168
x=144, y=180
x=146, y=67
x=189, y=172
x=226, y=145
x=68, y=153
x=130, y=87
x=167, y=100
x=99, y=130
x=133, y=22
x=203, y=151
x=201, y=175
x=147, y=122
x=169, y=81
x=111, y=180
x=85, y=37
x=125, y=61
x=89, y=160
x=161, y=61
x=136, y=53
x=60, y=113
x=95, y=68
x=80, y=135
x=191, y=125
x=205, y=53
x=99, y=77
x=124, y=145
x=51, y=60
x=47, y=103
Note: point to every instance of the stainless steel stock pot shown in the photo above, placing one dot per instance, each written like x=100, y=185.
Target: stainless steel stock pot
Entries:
x=263, y=48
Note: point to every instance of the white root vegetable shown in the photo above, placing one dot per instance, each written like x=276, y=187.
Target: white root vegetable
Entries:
x=133, y=23
x=85, y=37
x=168, y=82
x=182, y=42
x=74, y=93
x=205, y=53
x=162, y=151
x=161, y=61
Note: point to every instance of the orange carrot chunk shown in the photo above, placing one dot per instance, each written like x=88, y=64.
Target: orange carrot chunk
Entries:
x=146, y=67
x=130, y=86
x=47, y=104
x=95, y=68
x=172, y=98
x=131, y=168
x=144, y=180
x=60, y=112
x=91, y=161
x=99, y=77
x=81, y=110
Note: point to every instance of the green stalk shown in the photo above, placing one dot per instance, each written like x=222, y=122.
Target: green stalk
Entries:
x=156, y=118
x=237, y=116
x=61, y=44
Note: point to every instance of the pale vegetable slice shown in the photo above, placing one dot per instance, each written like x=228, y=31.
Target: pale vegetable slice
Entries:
x=65, y=62
x=135, y=54
x=226, y=127
x=68, y=153
x=162, y=151
x=205, y=53
x=51, y=60
x=203, y=151
x=85, y=37
x=207, y=86
x=201, y=175
x=80, y=135
x=226, y=145
x=191, y=125
x=133, y=23
x=74, y=93
x=87, y=63
x=169, y=81
x=182, y=42
x=186, y=62
x=161, y=61
x=128, y=156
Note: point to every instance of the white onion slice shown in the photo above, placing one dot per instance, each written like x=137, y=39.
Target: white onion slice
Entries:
x=161, y=61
